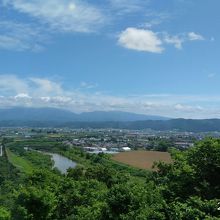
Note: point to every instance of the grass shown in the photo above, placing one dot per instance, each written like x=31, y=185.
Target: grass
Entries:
x=142, y=159
x=19, y=162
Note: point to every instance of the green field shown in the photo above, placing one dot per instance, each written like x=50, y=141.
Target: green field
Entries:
x=19, y=162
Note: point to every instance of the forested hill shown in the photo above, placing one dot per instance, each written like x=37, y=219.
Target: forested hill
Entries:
x=193, y=125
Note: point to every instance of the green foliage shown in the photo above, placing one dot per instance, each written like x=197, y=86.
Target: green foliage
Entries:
x=103, y=174
x=19, y=162
x=101, y=189
x=6, y=169
x=34, y=204
x=39, y=160
x=4, y=214
x=94, y=212
x=194, y=208
x=76, y=173
x=191, y=184
x=204, y=158
x=85, y=196
x=163, y=146
x=135, y=200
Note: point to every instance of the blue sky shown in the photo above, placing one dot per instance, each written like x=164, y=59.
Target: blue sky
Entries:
x=145, y=56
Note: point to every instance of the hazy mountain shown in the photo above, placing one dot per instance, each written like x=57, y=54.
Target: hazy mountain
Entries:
x=191, y=125
x=58, y=115
x=36, y=114
x=117, y=116
x=52, y=117
x=204, y=125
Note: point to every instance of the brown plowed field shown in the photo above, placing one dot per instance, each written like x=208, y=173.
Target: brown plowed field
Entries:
x=142, y=159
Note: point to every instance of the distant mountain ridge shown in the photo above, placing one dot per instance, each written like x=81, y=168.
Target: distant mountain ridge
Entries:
x=189, y=125
x=52, y=117
x=59, y=115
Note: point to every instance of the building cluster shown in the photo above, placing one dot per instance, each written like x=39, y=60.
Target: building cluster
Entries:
x=110, y=140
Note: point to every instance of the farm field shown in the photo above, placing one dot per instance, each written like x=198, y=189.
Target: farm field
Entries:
x=142, y=159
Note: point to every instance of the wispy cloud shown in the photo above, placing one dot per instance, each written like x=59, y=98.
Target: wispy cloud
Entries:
x=211, y=75
x=20, y=37
x=11, y=84
x=154, y=18
x=87, y=85
x=41, y=92
x=194, y=36
x=65, y=15
x=128, y=6
x=179, y=39
x=44, y=18
x=174, y=40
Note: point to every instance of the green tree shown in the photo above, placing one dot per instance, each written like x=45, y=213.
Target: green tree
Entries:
x=4, y=214
x=135, y=200
x=102, y=173
x=194, y=208
x=163, y=145
x=204, y=158
x=76, y=173
x=34, y=204
x=78, y=197
x=192, y=181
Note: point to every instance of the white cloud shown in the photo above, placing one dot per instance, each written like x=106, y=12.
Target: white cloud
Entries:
x=45, y=86
x=10, y=84
x=38, y=92
x=45, y=18
x=140, y=40
x=22, y=88
x=188, y=108
x=55, y=101
x=45, y=99
x=22, y=96
x=193, y=36
x=65, y=15
x=149, y=41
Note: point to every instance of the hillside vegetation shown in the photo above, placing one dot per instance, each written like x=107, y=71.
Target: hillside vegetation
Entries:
x=101, y=189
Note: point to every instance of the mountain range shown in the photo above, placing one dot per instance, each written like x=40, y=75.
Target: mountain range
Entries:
x=59, y=115
x=52, y=117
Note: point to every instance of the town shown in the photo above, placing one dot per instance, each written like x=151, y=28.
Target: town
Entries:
x=111, y=140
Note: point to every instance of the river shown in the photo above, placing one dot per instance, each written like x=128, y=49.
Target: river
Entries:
x=60, y=162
